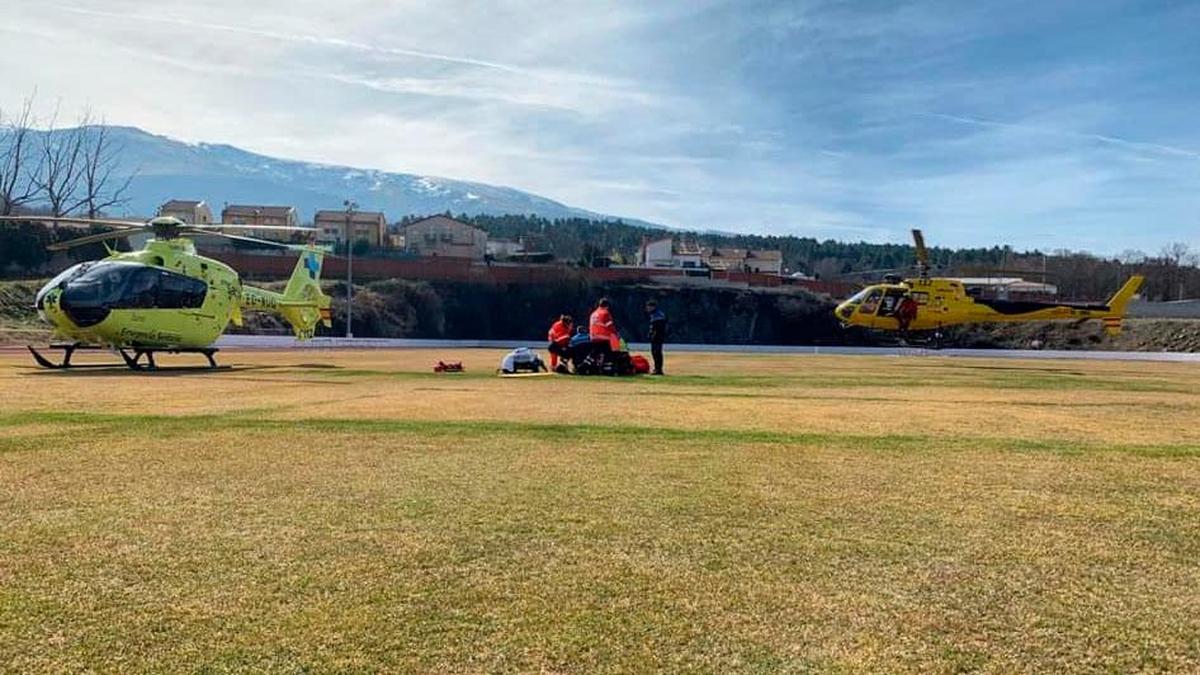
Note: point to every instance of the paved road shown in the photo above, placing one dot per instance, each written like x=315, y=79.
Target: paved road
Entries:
x=281, y=342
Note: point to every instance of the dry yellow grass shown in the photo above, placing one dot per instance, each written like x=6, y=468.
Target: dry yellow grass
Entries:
x=1136, y=403
x=353, y=511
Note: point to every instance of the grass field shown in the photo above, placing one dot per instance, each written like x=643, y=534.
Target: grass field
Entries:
x=320, y=511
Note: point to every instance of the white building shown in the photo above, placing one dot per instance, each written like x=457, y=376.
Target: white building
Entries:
x=192, y=212
x=445, y=237
x=504, y=248
x=666, y=252
x=757, y=261
x=368, y=226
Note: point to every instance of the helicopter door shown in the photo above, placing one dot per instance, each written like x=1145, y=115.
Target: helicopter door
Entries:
x=177, y=291
x=868, y=308
x=889, y=307
x=141, y=292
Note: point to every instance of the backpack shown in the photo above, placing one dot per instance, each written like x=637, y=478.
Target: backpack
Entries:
x=641, y=365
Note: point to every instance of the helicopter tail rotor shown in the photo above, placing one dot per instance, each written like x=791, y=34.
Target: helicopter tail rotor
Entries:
x=303, y=304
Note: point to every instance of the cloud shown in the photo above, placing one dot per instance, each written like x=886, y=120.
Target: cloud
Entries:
x=982, y=122
x=294, y=37
x=581, y=102
x=548, y=75
x=1137, y=146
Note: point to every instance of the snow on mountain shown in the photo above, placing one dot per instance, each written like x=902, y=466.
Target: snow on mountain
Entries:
x=166, y=169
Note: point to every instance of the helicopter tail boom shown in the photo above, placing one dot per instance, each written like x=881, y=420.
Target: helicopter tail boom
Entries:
x=1119, y=303
x=302, y=304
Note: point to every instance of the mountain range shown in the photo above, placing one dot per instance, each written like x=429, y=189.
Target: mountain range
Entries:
x=164, y=168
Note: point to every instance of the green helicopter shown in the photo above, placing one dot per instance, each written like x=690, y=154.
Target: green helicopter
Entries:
x=166, y=297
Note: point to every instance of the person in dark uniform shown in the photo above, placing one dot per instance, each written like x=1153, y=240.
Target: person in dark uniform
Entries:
x=580, y=346
x=658, y=334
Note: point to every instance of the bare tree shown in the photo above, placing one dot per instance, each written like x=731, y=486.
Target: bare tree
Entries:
x=61, y=167
x=1132, y=256
x=99, y=188
x=1175, y=257
x=1176, y=253
x=16, y=155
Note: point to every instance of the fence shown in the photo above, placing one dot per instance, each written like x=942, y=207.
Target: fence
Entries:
x=1178, y=309
x=258, y=266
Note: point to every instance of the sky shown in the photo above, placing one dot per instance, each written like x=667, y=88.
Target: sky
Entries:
x=1053, y=125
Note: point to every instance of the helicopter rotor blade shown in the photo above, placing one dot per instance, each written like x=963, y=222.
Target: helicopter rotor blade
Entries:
x=876, y=272
x=236, y=237
x=91, y=239
x=244, y=226
x=919, y=243
x=991, y=272
x=922, y=254
x=191, y=230
x=63, y=220
x=250, y=240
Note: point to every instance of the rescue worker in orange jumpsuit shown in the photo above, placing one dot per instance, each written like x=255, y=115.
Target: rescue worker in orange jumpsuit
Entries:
x=603, y=330
x=906, y=313
x=560, y=339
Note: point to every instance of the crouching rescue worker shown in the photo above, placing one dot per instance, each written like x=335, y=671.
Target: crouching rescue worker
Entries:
x=560, y=340
x=580, y=345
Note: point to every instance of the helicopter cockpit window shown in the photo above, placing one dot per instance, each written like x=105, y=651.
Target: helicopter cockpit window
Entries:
x=69, y=273
x=871, y=303
x=178, y=291
x=142, y=292
x=116, y=285
x=101, y=285
x=858, y=297
x=66, y=275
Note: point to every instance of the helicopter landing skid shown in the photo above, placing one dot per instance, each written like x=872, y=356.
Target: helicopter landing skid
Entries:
x=925, y=340
x=68, y=350
x=133, y=361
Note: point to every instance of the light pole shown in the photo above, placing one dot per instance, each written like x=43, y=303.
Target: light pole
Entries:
x=350, y=206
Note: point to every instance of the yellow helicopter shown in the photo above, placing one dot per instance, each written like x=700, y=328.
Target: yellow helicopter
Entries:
x=925, y=304
x=165, y=297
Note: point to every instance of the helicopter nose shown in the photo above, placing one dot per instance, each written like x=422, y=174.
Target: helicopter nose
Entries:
x=50, y=308
x=844, y=311
x=48, y=301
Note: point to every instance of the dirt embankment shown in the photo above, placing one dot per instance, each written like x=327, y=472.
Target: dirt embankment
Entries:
x=1169, y=335
x=459, y=310
x=19, y=322
x=400, y=308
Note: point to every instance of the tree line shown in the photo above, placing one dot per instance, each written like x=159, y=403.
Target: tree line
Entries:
x=1171, y=274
